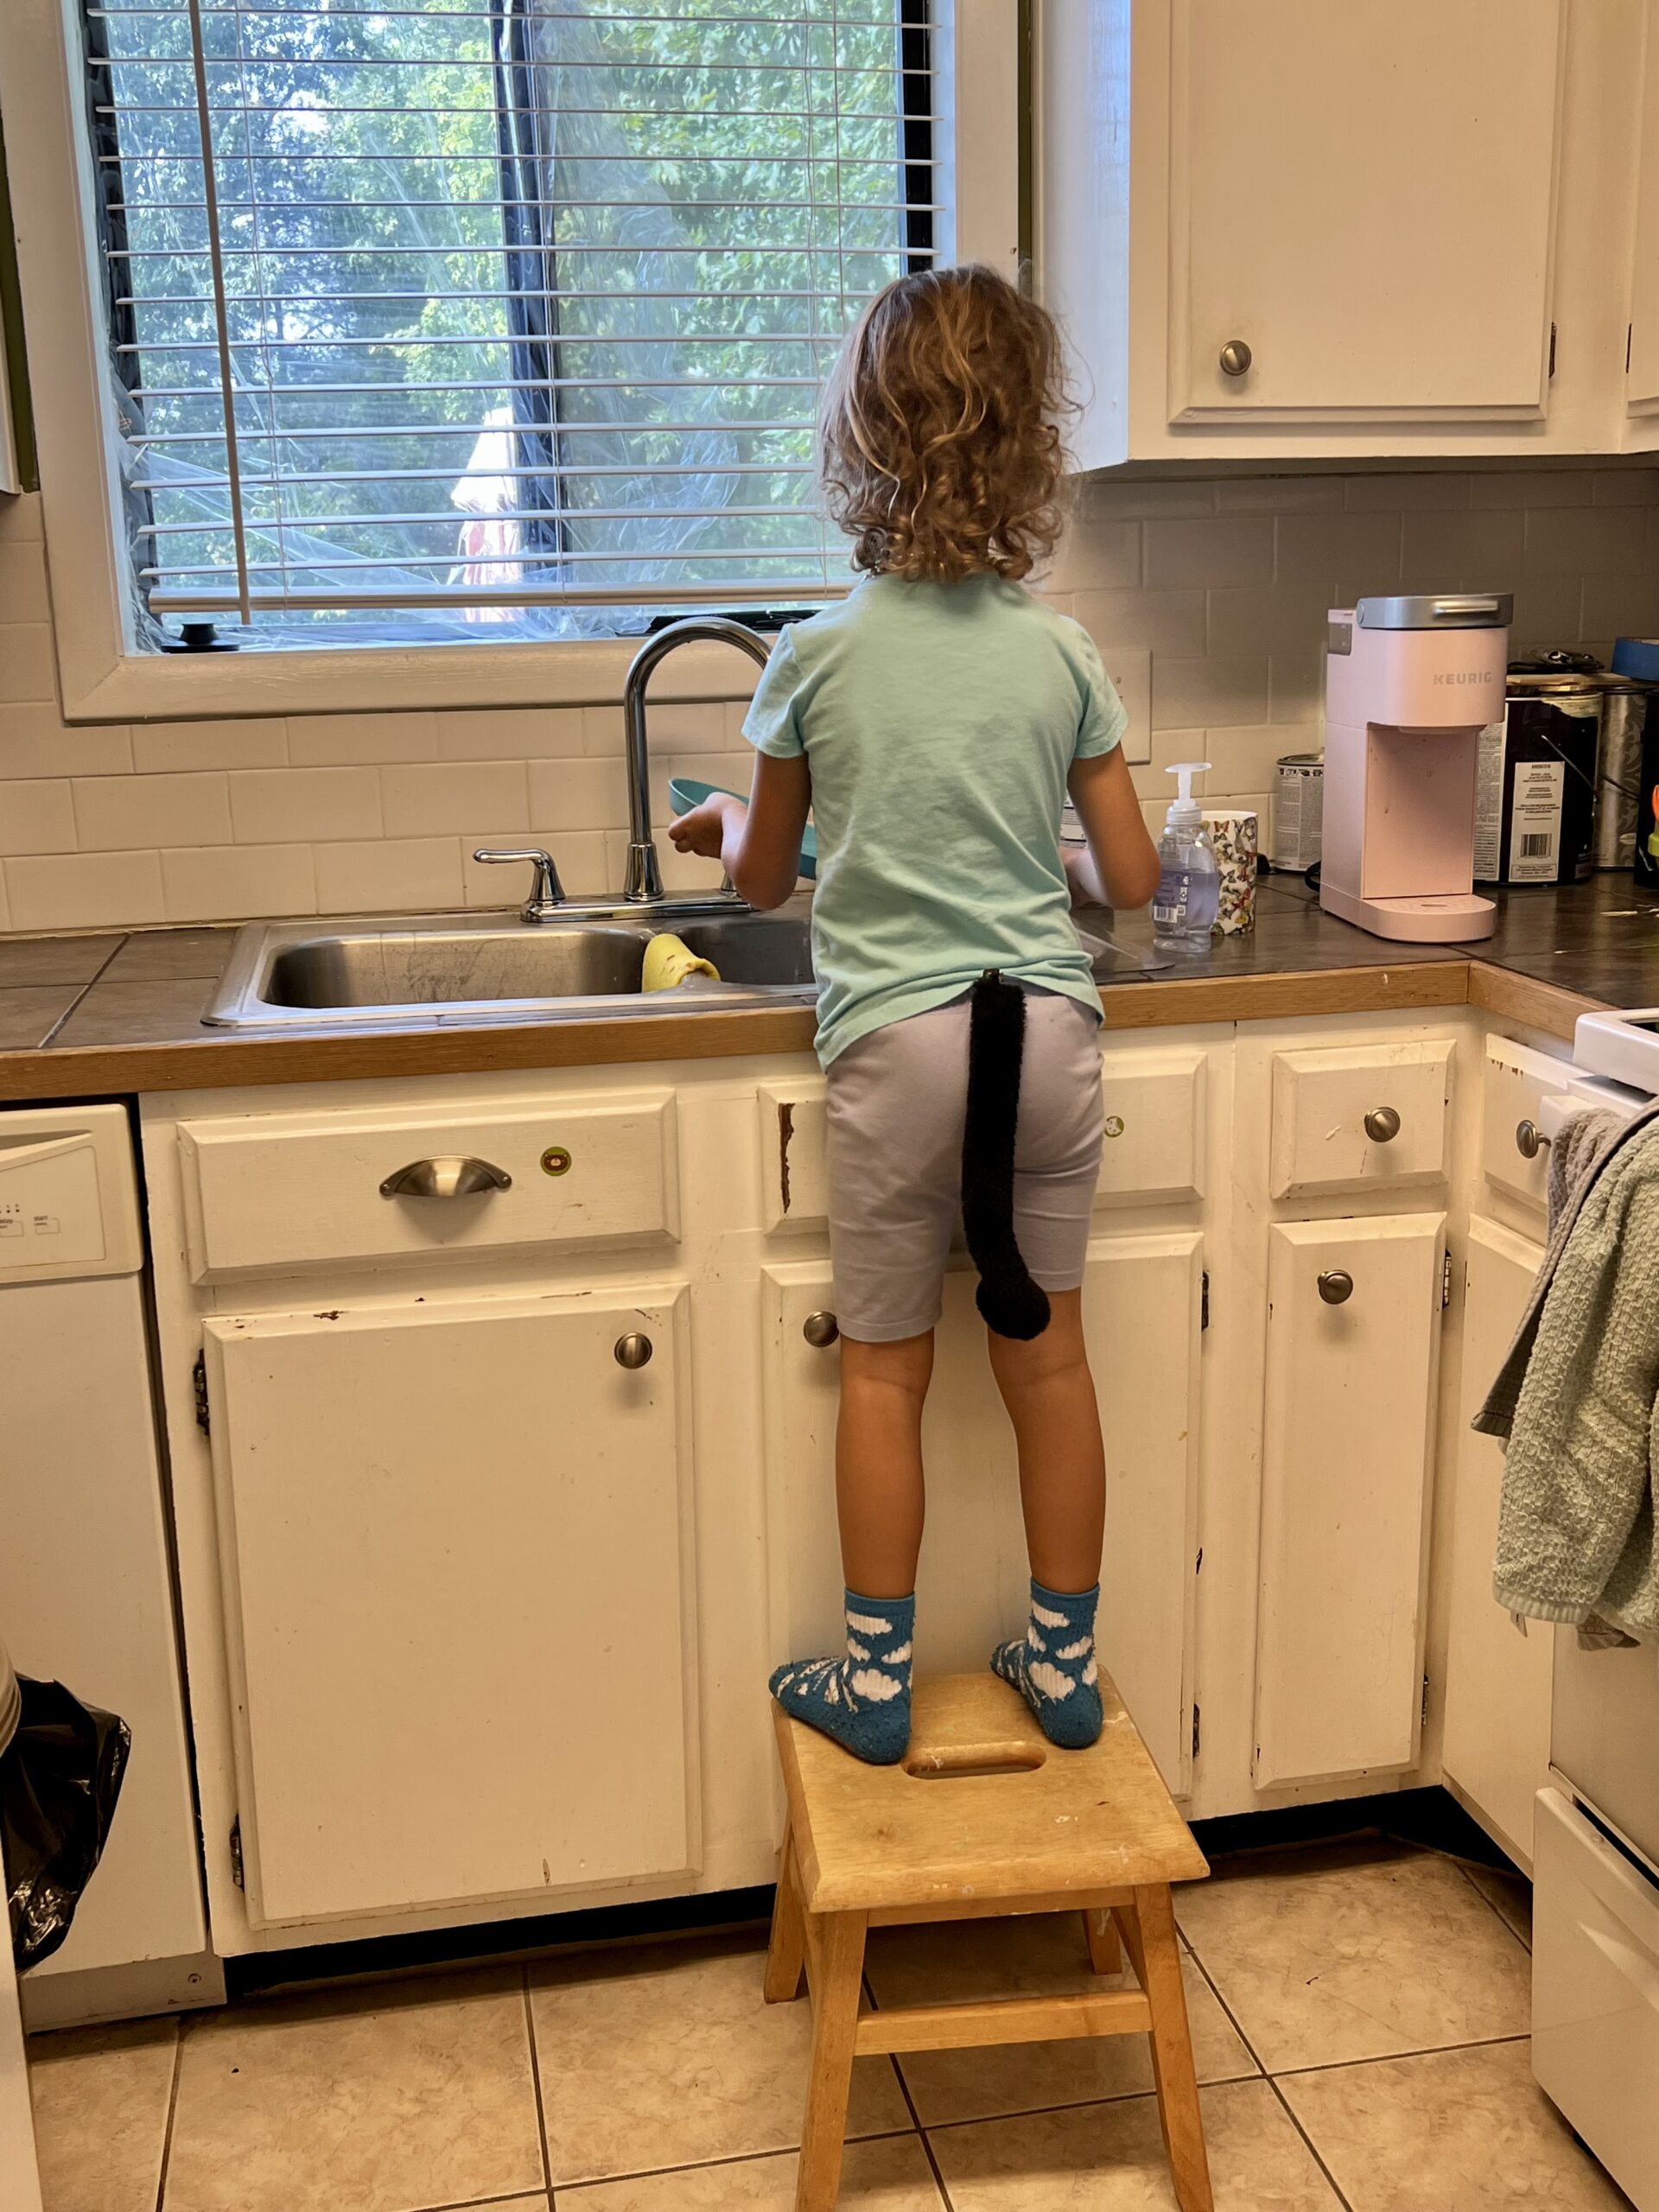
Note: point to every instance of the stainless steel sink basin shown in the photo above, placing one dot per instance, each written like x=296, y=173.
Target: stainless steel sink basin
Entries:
x=487, y=967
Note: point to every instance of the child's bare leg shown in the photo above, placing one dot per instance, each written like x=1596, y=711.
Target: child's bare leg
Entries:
x=1050, y=1395
x=862, y=1698
x=878, y=1491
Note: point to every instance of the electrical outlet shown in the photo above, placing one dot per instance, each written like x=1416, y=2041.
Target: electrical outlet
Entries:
x=1131, y=675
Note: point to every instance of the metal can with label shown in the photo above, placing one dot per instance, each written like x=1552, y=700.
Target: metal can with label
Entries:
x=1299, y=812
x=1536, y=784
x=1627, y=709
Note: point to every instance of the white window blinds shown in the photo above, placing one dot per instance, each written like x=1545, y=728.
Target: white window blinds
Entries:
x=493, y=311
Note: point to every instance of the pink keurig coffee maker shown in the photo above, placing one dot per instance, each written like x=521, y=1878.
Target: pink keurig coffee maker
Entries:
x=1409, y=684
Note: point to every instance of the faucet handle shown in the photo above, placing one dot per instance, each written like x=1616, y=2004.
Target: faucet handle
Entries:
x=547, y=893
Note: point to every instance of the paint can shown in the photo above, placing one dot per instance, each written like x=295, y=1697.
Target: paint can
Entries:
x=1297, y=811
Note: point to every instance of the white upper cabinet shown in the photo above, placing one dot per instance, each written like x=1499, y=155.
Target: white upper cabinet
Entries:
x=1360, y=204
x=1642, y=373
x=1392, y=227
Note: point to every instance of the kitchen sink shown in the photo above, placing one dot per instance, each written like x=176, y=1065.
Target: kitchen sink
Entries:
x=483, y=967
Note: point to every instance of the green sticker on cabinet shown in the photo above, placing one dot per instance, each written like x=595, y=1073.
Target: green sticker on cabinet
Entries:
x=556, y=1161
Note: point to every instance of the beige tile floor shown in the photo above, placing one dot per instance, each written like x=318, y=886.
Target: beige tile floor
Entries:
x=1359, y=2017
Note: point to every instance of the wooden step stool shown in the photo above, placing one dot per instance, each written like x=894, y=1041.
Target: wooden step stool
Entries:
x=983, y=1818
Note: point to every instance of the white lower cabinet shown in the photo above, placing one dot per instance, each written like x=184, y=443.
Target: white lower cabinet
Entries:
x=454, y=1547
x=1498, y=1682
x=1353, y=1340
x=1142, y=1299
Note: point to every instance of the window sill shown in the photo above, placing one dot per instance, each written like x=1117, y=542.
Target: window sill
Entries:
x=391, y=679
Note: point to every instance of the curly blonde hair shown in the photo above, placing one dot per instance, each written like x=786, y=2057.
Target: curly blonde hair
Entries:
x=938, y=442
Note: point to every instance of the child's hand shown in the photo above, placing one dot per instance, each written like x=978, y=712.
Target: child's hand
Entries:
x=703, y=830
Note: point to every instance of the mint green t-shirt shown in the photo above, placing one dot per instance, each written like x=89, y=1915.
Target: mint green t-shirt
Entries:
x=939, y=723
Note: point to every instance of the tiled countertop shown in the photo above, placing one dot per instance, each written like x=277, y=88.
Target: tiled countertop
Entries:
x=87, y=1016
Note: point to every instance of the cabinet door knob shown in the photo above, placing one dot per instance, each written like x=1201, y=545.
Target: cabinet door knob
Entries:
x=1336, y=1286
x=633, y=1350
x=1235, y=358
x=1382, y=1125
x=445, y=1179
x=1530, y=1140
x=820, y=1331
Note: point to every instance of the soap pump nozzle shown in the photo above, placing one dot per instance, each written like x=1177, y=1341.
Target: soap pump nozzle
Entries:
x=1185, y=812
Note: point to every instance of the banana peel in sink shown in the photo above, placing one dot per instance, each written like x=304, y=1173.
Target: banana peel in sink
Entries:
x=671, y=961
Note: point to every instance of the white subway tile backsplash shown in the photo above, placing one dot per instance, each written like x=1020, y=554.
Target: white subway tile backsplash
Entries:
x=1629, y=486
x=1587, y=541
x=338, y=740
x=36, y=817
x=1209, y=693
x=1279, y=495
x=1619, y=606
x=216, y=883
x=1533, y=487
x=26, y=664
x=1469, y=550
x=425, y=802
x=287, y=806
x=161, y=747
x=365, y=812
x=511, y=734
x=1150, y=621
x=1385, y=492
x=77, y=891
x=387, y=874
x=135, y=813
x=1327, y=550
x=1224, y=549
x=577, y=794
x=34, y=740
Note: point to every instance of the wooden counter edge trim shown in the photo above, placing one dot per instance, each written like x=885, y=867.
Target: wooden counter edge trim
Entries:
x=1526, y=999
x=1177, y=1002
x=229, y=1060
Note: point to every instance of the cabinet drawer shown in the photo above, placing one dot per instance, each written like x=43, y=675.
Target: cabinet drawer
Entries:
x=1360, y=1118
x=1515, y=1082
x=1154, y=1148
x=283, y=1191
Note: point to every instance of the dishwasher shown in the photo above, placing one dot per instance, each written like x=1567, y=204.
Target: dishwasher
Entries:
x=85, y=1578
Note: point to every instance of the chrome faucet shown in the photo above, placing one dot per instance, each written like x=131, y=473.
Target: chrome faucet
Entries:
x=547, y=893
x=644, y=878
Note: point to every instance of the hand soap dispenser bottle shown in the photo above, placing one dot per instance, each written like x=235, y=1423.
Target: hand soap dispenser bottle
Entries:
x=1188, y=897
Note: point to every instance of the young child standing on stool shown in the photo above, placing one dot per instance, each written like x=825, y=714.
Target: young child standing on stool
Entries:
x=934, y=722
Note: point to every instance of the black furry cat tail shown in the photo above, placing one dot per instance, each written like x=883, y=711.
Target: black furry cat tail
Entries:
x=1009, y=1300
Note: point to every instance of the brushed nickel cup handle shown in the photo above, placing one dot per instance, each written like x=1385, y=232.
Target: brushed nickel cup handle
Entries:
x=1336, y=1286
x=820, y=1331
x=633, y=1351
x=1235, y=358
x=1530, y=1140
x=1382, y=1125
x=452, y=1177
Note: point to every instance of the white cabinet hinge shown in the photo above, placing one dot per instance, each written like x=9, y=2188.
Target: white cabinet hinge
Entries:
x=199, y=1390
x=236, y=1852
x=1551, y=349
x=1445, y=1278
x=1425, y=1700
x=1204, y=1300
x=1197, y=1730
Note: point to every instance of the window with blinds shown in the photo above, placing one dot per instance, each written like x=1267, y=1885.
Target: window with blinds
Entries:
x=456, y=313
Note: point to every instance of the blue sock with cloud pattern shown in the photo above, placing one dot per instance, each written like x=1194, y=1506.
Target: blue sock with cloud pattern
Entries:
x=863, y=1701
x=1053, y=1666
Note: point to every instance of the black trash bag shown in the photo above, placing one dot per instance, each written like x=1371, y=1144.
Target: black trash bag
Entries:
x=60, y=1779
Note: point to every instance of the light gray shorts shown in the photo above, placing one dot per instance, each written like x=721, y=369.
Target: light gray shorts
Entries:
x=895, y=1105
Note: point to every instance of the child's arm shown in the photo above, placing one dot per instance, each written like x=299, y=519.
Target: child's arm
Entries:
x=758, y=842
x=1120, y=868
